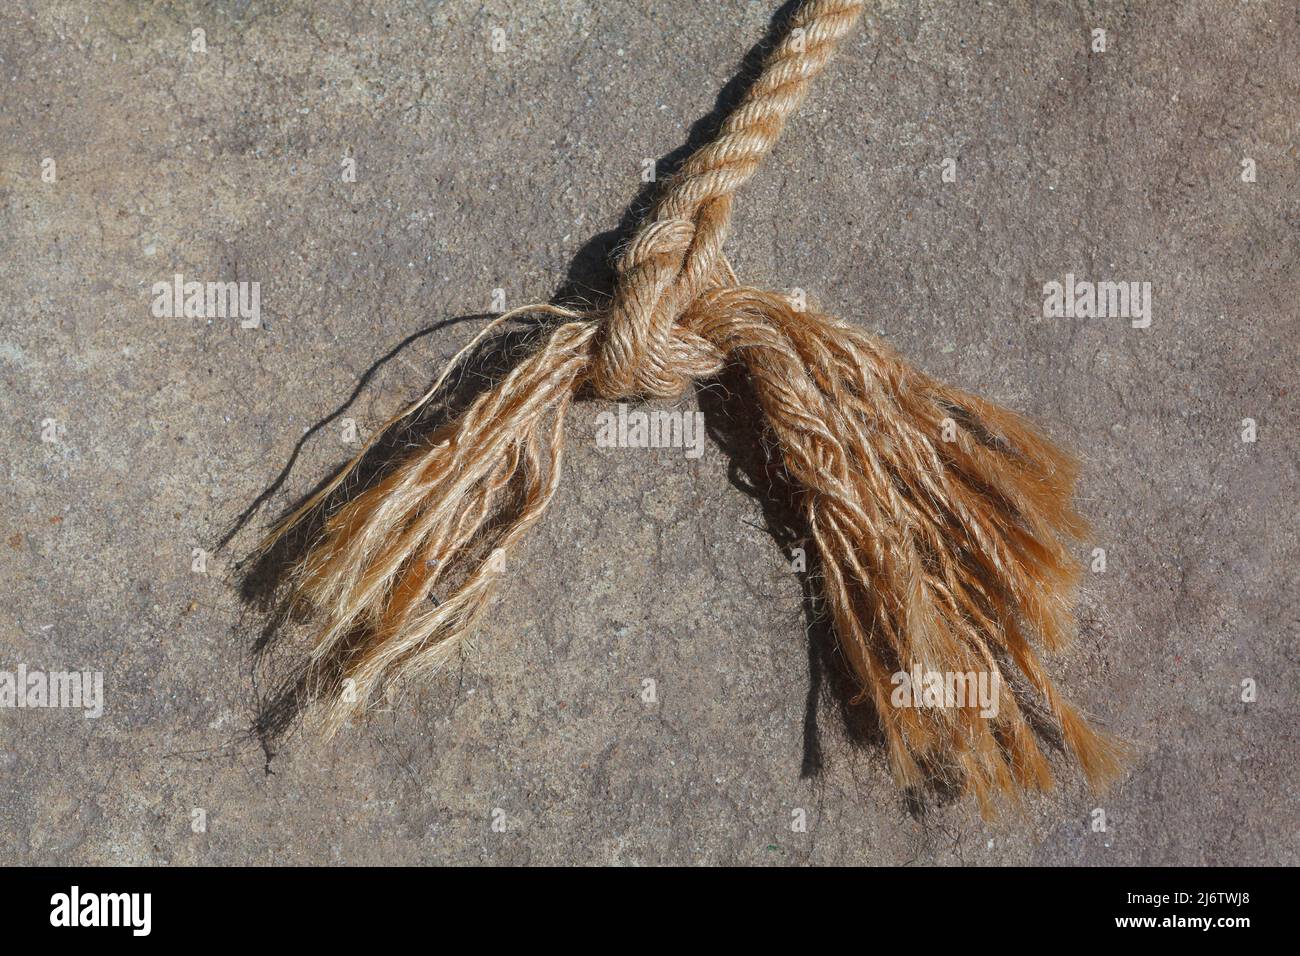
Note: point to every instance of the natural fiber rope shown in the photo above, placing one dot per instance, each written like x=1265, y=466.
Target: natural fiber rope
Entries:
x=942, y=523
x=675, y=256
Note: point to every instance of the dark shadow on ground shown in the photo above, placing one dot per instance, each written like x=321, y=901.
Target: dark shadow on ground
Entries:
x=735, y=421
x=590, y=277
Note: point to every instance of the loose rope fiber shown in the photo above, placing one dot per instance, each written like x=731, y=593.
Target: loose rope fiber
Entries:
x=943, y=524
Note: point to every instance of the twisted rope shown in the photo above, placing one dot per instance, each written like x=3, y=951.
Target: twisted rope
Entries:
x=677, y=254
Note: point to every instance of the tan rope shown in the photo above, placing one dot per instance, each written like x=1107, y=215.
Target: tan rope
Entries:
x=676, y=254
x=947, y=553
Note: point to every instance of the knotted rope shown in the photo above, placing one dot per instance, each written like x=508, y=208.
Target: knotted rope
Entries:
x=677, y=255
x=942, y=523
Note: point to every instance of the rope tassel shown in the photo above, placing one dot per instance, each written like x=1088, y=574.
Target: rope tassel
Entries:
x=942, y=523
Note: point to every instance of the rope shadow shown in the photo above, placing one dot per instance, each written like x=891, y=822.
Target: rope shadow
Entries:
x=590, y=276
x=734, y=421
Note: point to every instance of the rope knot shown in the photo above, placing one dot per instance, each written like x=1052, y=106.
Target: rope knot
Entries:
x=641, y=349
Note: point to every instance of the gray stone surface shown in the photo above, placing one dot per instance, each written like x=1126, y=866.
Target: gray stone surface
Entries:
x=479, y=170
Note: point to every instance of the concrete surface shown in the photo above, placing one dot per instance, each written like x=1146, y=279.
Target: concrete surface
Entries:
x=478, y=170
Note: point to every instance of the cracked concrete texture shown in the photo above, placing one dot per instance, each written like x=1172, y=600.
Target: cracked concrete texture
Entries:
x=479, y=170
